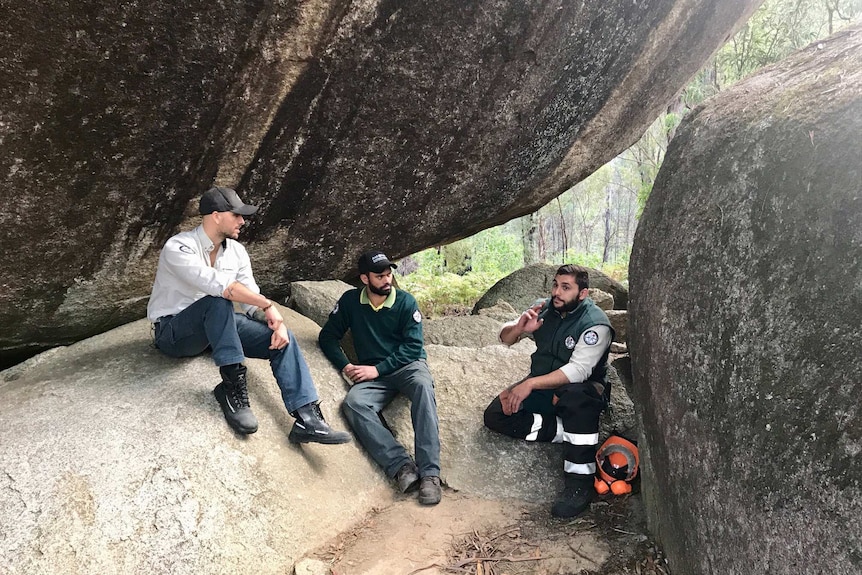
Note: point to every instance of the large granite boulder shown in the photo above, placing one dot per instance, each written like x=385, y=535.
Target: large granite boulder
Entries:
x=464, y=331
x=316, y=299
x=349, y=123
x=619, y=319
x=500, y=311
x=114, y=117
x=746, y=322
x=603, y=299
x=523, y=287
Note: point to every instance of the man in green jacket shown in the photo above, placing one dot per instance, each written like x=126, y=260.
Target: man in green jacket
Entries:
x=564, y=395
x=387, y=334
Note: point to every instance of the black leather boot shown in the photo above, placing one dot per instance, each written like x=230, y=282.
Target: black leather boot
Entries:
x=311, y=427
x=575, y=498
x=232, y=395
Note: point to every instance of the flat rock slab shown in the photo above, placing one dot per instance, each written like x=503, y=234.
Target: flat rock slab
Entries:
x=116, y=458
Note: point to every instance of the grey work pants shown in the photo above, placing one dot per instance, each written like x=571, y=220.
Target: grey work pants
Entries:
x=366, y=400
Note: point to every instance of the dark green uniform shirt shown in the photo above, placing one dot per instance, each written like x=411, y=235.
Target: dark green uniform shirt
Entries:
x=388, y=338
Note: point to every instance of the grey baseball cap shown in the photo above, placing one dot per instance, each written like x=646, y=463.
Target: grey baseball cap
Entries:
x=224, y=200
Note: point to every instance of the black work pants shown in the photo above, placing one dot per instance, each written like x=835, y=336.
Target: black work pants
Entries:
x=573, y=420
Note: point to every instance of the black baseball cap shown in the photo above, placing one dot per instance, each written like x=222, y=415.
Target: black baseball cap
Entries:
x=374, y=261
x=224, y=200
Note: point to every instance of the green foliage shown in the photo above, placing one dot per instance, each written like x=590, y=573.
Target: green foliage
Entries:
x=457, y=256
x=778, y=28
x=639, y=165
x=447, y=293
x=445, y=288
x=670, y=122
x=430, y=261
x=496, y=252
x=618, y=269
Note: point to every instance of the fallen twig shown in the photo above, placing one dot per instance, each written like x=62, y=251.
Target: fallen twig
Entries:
x=509, y=559
x=513, y=529
x=581, y=555
x=426, y=568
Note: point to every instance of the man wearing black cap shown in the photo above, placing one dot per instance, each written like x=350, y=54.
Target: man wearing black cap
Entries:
x=387, y=334
x=200, y=275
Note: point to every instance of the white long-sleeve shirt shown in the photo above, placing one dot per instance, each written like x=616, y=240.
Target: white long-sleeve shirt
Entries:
x=184, y=274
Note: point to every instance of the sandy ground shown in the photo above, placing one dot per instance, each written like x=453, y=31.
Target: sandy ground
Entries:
x=468, y=534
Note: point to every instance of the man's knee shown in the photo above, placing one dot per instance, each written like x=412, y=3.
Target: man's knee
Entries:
x=346, y=409
x=579, y=399
x=423, y=387
x=353, y=403
x=415, y=381
x=217, y=303
x=494, y=416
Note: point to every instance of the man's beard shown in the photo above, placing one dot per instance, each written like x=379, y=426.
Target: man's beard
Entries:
x=380, y=291
x=567, y=307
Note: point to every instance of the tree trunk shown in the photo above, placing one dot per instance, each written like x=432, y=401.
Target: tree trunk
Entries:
x=530, y=238
x=607, y=218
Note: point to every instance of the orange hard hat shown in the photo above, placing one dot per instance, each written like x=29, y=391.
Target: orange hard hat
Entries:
x=617, y=460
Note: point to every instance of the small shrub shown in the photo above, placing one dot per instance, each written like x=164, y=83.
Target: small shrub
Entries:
x=447, y=293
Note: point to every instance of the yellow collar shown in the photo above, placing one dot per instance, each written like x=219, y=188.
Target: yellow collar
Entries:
x=388, y=302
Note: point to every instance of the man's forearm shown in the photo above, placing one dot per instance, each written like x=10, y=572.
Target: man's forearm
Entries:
x=406, y=353
x=551, y=380
x=510, y=334
x=239, y=293
x=332, y=350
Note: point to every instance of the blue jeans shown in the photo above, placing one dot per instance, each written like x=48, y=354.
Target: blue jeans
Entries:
x=212, y=322
x=366, y=400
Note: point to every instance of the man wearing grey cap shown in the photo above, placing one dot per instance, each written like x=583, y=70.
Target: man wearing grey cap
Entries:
x=387, y=334
x=201, y=274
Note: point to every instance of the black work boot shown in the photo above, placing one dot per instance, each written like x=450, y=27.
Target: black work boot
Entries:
x=575, y=498
x=429, y=490
x=407, y=477
x=232, y=395
x=311, y=427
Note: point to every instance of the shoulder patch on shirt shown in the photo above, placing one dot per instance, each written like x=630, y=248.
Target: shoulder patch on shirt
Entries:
x=591, y=338
x=334, y=310
x=417, y=317
x=186, y=249
x=570, y=342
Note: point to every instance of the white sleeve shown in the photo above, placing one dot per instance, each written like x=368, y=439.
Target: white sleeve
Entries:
x=587, y=353
x=245, y=276
x=183, y=262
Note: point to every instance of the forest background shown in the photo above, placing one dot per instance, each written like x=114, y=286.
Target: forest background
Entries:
x=593, y=223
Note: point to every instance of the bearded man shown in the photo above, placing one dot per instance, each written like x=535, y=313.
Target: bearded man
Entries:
x=564, y=395
x=386, y=325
